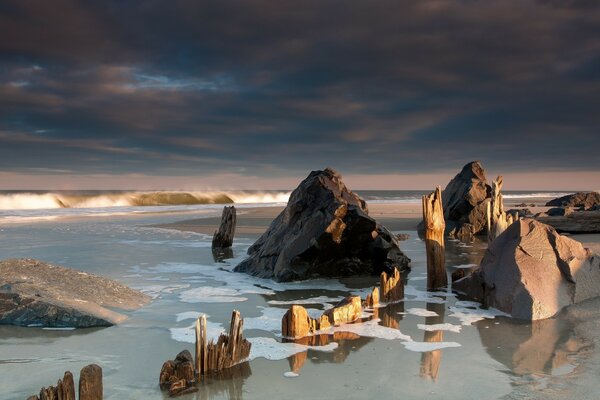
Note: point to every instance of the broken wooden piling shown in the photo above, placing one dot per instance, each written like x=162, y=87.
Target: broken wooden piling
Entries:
x=90, y=386
x=223, y=237
x=497, y=219
x=433, y=220
x=229, y=349
x=392, y=286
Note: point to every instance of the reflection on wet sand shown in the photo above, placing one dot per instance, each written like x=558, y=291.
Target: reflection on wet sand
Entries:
x=541, y=346
x=228, y=383
x=430, y=360
x=346, y=341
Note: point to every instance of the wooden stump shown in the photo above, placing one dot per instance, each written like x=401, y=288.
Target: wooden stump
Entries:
x=392, y=287
x=372, y=298
x=497, y=219
x=90, y=383
x=228, y=351
x=223, y=237
x=66, y=387
x=347, y=310
x=433, y=220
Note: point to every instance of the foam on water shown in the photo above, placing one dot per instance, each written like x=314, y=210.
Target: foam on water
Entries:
x=182, y=316
x=371, y=329
x=469, y=312
x=311, y=300
x=271, y=349
x=440, y=327
x=208, y=294
x=187, y=334
x=421, y=312
x=291, y=374
x=155, y=291
x=428, y=346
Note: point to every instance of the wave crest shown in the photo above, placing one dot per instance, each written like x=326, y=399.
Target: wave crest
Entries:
x=33, y=201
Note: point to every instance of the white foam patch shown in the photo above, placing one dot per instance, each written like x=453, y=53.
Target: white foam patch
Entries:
x=273, y=350
x=427, y=297
x=188, y=334
x=208, y=294
x=159, y=279
x=182, y=316
x=440, y=327
x=428, y=346
x=464, y=266
x=417, y=278
x=421, y=312
x=154, y=291
x=468, y=316
x=371, y=329
x=64, y=328
x=311, y=300
x=291, y=374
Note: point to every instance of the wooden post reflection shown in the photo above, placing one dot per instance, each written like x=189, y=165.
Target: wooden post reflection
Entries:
x=430, y=360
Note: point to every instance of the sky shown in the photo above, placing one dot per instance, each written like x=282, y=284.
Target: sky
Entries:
x=255, y=94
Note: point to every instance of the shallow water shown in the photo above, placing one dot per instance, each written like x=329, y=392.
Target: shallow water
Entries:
x=430, y=345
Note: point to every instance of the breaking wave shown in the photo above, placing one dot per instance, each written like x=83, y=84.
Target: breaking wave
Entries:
x=52, y=200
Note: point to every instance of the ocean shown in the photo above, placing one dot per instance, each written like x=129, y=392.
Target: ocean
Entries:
x=475, y=353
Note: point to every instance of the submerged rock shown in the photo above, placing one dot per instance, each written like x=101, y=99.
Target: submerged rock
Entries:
x=531, y=272
x=465, y=201
x=34, y=293
x=325, y=230
x=586, y=200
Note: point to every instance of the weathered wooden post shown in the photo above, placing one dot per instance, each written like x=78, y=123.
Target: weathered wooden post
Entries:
x=223, y=238
x=90, y=383
x=497, y=219
x=392, y=286
x=433, y=220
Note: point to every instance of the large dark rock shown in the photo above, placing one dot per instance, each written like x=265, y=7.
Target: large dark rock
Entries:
x=325, y=230
x=465, y=201
x=586, y=200
x=531, y=272
x=33, y=293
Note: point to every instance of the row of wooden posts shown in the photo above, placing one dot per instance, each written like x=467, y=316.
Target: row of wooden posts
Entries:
x=90, y=386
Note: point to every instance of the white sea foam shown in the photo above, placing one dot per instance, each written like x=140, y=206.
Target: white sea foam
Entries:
x=421, y=312
x=208, y=294
x=271, y=349
x=464, y=266
x=440, y=327
x=468, y=315
x=155, y=291
x=371, y=329
x=311, y=300
x=428, y=346
x=187, y=334
x=182, y=316
x=291, y=374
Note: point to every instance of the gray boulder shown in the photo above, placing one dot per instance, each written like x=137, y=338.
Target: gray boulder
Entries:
x=531, y=272
x=465, y=201
x=586, y=200
x=33, y=293
x=324, y=231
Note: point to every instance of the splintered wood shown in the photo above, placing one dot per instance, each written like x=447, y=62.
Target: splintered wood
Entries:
x=392, y=287
x=433, y=219
x=226, y=352
x=497, y=219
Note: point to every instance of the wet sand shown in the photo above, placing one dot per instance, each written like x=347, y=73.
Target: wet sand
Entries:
x=396, y=217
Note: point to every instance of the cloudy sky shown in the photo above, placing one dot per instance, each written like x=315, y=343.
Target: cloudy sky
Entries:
x=394, y=94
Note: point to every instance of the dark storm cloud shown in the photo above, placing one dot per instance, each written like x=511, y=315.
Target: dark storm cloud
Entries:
x=178, y=87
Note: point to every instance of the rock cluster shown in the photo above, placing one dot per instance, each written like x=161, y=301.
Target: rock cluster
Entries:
x=583, y=200
x=34, y=293
x=531, y=272
x=324, y=231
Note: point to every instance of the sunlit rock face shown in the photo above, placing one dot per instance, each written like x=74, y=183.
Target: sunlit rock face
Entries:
x=532, y=272
x=325, y=230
